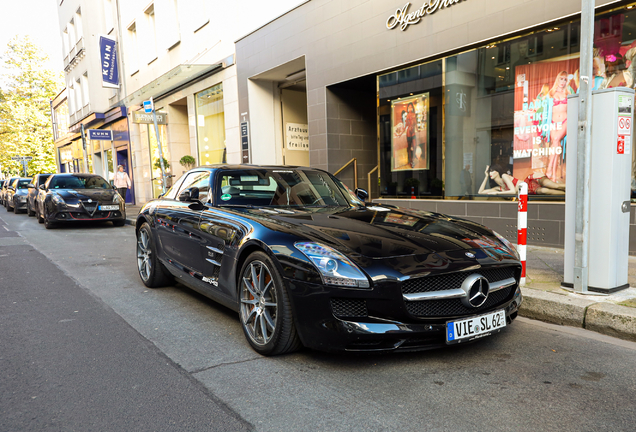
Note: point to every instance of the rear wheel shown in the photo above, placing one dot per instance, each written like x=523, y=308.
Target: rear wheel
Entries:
x=152, y=272
x=265, y=310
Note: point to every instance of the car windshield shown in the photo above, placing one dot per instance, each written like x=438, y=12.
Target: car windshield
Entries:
x=282, y=188
x=22, y=184
x=78, y=182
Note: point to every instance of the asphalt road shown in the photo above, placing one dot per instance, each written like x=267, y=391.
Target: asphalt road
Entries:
x=193, y=362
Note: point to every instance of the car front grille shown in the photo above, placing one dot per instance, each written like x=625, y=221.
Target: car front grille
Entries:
x=454, y=280
x=349, y=308
x=455, y=307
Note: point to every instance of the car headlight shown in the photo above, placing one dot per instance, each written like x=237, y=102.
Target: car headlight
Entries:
x=57, y=199
x=334, y=268
x=117, y=199
x=507, y=243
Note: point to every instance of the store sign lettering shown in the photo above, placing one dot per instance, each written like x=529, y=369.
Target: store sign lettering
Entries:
x=403, y=18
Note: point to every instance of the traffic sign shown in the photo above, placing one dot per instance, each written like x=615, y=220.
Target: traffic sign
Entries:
x=148, y=106
x=21, y=158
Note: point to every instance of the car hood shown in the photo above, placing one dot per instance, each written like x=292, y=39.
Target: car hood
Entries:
x=72, y=195
x=381, y=231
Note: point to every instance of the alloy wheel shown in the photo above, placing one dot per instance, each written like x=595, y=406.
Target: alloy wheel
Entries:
x=144, y=263
x=259, y=305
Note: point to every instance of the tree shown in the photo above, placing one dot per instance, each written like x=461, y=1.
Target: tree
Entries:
x=25, y=111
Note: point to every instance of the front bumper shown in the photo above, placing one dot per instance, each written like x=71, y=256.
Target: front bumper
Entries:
x=382, y=324
x=79, y=216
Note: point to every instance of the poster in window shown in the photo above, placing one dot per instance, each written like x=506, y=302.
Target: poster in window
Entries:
x=540, y=123
x=409, y=142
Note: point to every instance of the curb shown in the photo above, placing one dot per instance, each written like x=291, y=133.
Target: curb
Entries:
x=564, y=309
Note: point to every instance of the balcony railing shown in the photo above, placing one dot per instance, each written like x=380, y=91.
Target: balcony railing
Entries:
x=75, y=55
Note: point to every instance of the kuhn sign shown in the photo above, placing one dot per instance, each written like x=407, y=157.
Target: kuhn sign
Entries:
x=402, y=18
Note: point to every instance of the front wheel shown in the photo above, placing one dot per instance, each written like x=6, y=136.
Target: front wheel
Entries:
x=265, y=310
x=152, y=272
x=38, y=215
x=15, y=208
x=47, y=223
x=30, y=212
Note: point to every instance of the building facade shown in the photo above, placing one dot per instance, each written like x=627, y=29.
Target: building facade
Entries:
x=429, y=98
x=88, y=103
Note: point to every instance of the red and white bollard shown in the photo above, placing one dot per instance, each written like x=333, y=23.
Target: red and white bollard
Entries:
x=522, y=228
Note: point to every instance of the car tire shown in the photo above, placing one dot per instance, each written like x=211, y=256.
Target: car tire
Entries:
x=15, y=208
x=37, y=214
x=30, y=212
x=152, y=273
x=119, y=223
x=8, y=207
x=47, y=223
x=265, y=310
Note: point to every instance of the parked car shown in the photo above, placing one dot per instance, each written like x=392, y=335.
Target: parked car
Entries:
x=79, y=197
x=304, y=261
x=5, y=188
x=34, y=188
x=2, y=182
x=16, y=196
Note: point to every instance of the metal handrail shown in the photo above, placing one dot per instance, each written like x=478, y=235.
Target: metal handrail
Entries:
x=369, y=179
x=353, y=161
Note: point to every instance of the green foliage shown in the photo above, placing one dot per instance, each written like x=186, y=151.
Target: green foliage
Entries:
x=25, y=111
x=166, y=165
x=187, y=162
x=411, y=182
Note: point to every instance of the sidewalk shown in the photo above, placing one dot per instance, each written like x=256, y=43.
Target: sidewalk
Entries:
x=545, y=300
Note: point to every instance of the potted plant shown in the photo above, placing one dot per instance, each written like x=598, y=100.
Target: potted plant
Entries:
x=188, y=162
x=166, y=165
x=411, y=185
x=437, y=187
x=391, y=188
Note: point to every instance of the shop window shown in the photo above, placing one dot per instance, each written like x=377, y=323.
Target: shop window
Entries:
x=211, y=126
x=502, y=106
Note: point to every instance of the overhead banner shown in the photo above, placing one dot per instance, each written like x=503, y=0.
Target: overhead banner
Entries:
x=109, y=61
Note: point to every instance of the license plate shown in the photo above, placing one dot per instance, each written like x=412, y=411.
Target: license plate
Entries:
x=475, y=327
x=109, y=207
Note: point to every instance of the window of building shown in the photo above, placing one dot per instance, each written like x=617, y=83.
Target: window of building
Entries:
x=152, y=33
x=84, y=79
x=78, y=94
x=108, y=15
x=173, y=35
x=71, y=97
x=79, y=31
x=211, y=126
x=71, y=35
x=65, y=42
x=61, y=120
x=133, y=51
x=502, y=106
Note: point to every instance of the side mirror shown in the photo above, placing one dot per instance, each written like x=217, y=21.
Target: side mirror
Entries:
x=31, y=186
x=11, y=188
x=362, y=194
x=189, y=195
x=42, y=187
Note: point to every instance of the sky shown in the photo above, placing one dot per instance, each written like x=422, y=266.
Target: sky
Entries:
x=38, y=19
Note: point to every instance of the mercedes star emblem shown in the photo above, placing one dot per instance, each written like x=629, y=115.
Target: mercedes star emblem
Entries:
x=476, y=290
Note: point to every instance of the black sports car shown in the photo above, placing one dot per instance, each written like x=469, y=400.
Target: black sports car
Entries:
x=79, y=197
x=304, y=261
